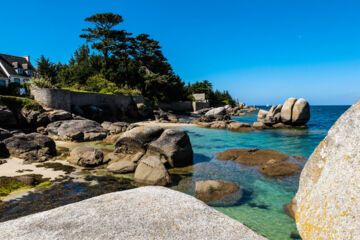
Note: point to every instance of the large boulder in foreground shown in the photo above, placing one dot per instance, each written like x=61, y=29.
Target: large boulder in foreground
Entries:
x=86, y=157
x=32, y=147
x=327, y=202
x=212, y=190
x=174, y=146
x=142, y=213
x=151, y=171
x=77, y=130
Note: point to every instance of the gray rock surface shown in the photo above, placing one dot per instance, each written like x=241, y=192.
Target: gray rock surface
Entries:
x=122, y=167
x=77, y=130
x=301, y=112
x=151, y=171
x=7, y=117
x=286, y=111
x=143, y=213
x=4, y=134
x=327, y=202
x=86, y=157
x=174, y=145
x=220, y=111
x=32, y=147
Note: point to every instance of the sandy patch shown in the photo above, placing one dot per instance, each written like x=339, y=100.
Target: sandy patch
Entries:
x=13, y=165
x=165, y=125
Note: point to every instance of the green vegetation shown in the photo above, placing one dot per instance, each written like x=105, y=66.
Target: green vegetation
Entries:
x=45, y=184
x=121, y=63
x=57, y=167
x=19, y=102
x=9, y=184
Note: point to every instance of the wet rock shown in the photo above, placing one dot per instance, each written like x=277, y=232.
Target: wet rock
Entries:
x=251, y=157
x=174, y=145
x=77, y=130
x=86, y=157
x=300, y=112
x=259, y=125
x=58, y=115
x=239, y=127
x=4, y=152
x=218, y=124
x=122, y=167
x=7, y=118
x=151, y=171
x=4, y=134
x=290, y=208
x=328, y=195
x=278, y=168
x=32, y=147
x=27, y=180
x=116, y=127
x=212, y=190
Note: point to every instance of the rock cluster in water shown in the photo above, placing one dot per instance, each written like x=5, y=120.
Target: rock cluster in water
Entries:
x=326, y=205
x=294, y=112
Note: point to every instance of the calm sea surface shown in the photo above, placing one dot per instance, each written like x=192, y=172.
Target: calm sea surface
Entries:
x=261, y=207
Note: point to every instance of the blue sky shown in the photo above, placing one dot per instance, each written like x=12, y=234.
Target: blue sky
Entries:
x=261, y=51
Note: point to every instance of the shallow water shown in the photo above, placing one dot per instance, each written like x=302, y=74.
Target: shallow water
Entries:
x=261, y=207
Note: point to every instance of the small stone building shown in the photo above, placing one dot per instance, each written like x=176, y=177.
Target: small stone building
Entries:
x=200, y=102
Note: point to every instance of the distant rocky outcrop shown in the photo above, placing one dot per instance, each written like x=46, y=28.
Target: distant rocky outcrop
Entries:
x=326, y=205
x=294, y=112
x=142, y=213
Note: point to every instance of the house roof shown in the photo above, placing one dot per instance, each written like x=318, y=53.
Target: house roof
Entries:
x=11, y=63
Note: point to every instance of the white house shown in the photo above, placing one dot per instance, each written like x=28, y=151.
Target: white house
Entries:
x=15, y=69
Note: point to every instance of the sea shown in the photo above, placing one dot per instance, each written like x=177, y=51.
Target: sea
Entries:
x=261, y=207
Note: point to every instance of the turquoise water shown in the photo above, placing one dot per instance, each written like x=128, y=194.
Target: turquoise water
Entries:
x=261, y=207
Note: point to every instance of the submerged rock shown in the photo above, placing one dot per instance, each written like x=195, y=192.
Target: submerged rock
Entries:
x=212, y=190
x=278, y=168
x=77, y=130
x=142, y=213
x=251, y=157
x=32, y=147
x=327, y=202
x=86, y=157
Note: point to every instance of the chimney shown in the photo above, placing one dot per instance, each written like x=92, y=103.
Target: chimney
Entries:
x=27, y=58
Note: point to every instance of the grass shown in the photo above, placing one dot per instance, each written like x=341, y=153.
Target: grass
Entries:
x=45, y=184
x=9, y=184
x=20, y=102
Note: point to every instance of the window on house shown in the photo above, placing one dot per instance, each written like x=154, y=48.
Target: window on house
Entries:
x=29, y=72
x=17, y=80
x=2, y=83
x=26, y=80
x=20, y=71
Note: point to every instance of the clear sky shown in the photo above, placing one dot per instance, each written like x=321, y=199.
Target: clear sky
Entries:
x=262, y=51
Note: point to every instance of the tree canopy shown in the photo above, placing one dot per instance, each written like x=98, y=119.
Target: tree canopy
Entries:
x=119, y=62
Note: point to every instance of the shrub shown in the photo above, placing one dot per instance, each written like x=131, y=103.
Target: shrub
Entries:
x=19, y=102
x=41, y=82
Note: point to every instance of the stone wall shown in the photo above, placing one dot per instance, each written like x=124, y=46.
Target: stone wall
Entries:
x=70, y=100
x=179, y=106
x=200, y=105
